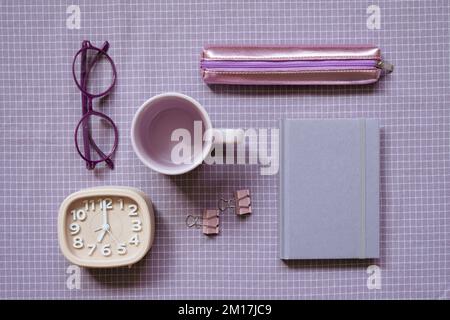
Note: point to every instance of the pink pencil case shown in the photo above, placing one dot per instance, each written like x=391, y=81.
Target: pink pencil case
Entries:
x=292, y=65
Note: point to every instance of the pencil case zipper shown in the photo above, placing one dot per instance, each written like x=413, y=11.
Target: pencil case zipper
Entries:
x=300, y=65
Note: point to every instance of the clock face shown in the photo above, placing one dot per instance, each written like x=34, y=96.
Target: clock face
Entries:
x=105, y=229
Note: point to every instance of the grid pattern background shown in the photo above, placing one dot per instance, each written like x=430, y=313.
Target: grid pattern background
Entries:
x=156, y=47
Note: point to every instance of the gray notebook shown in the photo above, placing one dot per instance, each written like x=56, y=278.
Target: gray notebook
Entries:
x=329, y=189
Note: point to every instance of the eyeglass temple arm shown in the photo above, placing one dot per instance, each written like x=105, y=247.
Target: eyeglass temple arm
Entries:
x=104, y=49
x=84, y=104
x=87, y=105
x=108, y=161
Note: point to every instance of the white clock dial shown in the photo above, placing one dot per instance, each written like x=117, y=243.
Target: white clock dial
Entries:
x=105, y=230
x=104, y=227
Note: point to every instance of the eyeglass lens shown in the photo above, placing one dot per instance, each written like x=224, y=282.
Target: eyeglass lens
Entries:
x=96, y=142
x=97, y=69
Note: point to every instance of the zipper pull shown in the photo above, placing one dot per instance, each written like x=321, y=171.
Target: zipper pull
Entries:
x=386, y=66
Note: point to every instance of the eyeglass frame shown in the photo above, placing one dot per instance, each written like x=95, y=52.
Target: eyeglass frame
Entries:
x=87, y=110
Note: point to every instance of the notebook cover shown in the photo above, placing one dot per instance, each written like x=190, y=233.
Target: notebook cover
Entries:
x=329, y=189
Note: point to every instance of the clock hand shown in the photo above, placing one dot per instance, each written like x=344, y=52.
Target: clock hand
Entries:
x=105, y=225
x=105, y=214
x=101, y=236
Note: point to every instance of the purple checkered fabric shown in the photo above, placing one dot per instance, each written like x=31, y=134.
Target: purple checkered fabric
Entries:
x=156, y=47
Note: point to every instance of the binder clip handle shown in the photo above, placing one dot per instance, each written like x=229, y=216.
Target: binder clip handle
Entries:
x=224, y=204
x=192, y=221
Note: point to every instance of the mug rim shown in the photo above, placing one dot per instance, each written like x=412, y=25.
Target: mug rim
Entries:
x=208, y=130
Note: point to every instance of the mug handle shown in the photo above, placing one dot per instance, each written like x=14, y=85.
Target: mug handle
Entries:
x=228, y=136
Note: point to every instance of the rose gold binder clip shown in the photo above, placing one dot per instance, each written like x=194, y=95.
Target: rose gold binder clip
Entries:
x=241, y=203
x=209, y=221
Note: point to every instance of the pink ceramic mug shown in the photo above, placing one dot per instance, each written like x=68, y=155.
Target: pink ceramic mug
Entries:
x=157, y=119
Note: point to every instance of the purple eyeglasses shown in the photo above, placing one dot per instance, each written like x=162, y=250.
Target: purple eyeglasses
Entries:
x=86, y=60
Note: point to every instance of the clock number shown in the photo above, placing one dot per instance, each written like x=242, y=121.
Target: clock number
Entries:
x=78, y=243
x=92, y=248
x=106, y=250
x=120, y=203
x=133, y=210
x=107, y=202
x=137, y=225
x=78, y=215
x=74, y=228
x=122, y=249
x=134, y=240
x=87, y=203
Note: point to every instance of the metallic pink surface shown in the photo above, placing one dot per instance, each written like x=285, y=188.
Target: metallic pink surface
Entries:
x=290, y=52
x=211, y=222
x=317, y=77
x=333, y=75
x=243, y=203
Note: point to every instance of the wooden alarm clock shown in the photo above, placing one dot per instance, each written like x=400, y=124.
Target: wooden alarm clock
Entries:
x=106, y=227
